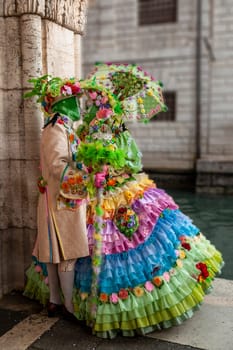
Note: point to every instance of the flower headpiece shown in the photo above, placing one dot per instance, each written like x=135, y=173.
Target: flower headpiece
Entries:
x=57, y=95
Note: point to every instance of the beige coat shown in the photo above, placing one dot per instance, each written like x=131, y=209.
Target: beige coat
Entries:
x=62, y=234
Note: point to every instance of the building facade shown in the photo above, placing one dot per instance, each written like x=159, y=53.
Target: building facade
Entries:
x=36, y=37
x=187, y=45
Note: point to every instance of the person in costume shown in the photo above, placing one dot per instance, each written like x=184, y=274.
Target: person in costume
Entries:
x=62, y=233
x=148, y=267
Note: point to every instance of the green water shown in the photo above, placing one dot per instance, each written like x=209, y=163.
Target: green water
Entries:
x=213, y=214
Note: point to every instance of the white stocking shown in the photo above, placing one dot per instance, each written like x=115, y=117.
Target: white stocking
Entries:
x=66, y=276
x=54, y=286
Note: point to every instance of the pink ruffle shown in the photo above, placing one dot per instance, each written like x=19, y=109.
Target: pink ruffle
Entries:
x=148, y=209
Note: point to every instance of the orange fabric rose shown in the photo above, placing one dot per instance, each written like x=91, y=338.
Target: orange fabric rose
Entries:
x=103, y=297
x=138, y=291
x=71, y=137
x=111, y=182
x=71, y=181
x=157, y=281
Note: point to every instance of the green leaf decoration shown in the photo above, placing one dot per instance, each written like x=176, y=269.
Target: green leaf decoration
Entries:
x=99, y=211
x=96, y=154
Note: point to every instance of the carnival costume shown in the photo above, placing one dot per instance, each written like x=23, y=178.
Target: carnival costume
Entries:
x=148, y=267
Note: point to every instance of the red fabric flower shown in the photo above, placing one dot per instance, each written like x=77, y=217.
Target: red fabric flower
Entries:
x=182, y=238
x=205, y=274
x=41, y=183
x=75, y=88
x=186, y=245
x=203, y=268
x=123, y=294
x=70, y=88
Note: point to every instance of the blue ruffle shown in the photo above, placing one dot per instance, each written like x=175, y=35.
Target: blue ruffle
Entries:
x=83, y=274
x=153, y=257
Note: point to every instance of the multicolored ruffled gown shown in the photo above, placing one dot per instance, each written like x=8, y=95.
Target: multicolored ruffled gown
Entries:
x=152, y=280
x=149, y=266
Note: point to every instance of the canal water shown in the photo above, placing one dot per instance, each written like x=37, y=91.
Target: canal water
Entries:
x=213, y=214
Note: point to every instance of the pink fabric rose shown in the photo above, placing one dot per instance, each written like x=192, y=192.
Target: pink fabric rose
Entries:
x=38, y=268
x=104, y=113
x=166, y=276
x=100, y=177
x=149, y=286
x=66, y=90
x=114, y=298
x=104, y=99
x=93, y=95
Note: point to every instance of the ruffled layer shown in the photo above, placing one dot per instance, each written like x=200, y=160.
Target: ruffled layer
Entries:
x=154, y=256
x=37, y=285
x=158, y=307
x=185, y=260
x=153, y=281
x=125, y=194
x=148, y=209
x=112, y=333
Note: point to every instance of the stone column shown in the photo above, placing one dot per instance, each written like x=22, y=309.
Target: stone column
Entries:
x=30, y=34
x=78, y=55
x=19, y=163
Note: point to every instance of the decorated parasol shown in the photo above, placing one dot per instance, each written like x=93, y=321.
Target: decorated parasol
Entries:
x=140, y=95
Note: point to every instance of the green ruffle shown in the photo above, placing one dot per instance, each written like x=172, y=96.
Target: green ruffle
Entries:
x=36, y=288
x=147, y=315
x=112, y=333
x=163, y=307
x=133, y=156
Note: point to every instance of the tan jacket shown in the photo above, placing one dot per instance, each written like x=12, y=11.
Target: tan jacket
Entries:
x=62, y=234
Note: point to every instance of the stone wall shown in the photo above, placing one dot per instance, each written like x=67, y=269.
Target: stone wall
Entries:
x=215, y=168
x=36, y=37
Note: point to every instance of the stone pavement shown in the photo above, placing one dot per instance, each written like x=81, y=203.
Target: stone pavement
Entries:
x=24, y=325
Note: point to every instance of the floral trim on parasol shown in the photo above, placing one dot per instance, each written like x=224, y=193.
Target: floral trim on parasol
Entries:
x=140, y=95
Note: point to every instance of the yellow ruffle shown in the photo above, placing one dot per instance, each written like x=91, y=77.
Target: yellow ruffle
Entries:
x=122, y=196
